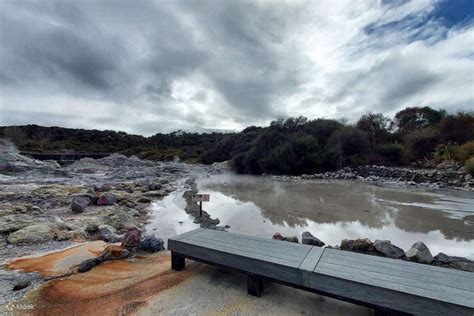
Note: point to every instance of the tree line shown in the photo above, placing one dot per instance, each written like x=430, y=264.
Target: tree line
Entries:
x=293, y=146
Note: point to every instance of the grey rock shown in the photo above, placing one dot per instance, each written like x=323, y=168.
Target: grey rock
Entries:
x=309, y=239
x=88, y=264
x=20, y=285
x=108, y=234
x=79, y=204
x=154, y=186
x=292, y=239
x=419, y=252
x=107, y=199
x=14, y=222
x=33, y=234
x=442, y=258
x=388, y=250
x=278, y=236
x=151, y=244
x=360, y=245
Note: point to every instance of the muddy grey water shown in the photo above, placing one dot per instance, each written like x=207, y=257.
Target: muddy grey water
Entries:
x=330, y=210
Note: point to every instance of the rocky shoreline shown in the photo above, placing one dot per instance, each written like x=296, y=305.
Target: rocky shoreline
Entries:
x=447, y=175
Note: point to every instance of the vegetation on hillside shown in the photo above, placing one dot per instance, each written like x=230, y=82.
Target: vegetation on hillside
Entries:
x=287, y=146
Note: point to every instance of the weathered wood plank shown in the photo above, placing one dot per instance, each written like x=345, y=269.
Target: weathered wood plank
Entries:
x=275, y=246
x=369, y=295
x=273, y=270
x=288, y=246
x=409, y=277
x=398, y=283
x=402, y=266
x=310, y=261
x=187, y=234
x=246, y=253
x=252, y=248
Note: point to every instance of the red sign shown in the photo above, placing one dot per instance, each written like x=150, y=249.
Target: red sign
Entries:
x=201, y=197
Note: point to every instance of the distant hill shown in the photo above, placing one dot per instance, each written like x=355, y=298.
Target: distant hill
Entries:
x=287, y=146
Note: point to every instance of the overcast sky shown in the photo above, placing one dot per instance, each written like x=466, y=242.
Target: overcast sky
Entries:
x=158, y=66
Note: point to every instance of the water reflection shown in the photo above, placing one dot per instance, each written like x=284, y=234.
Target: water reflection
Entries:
x=338, y=210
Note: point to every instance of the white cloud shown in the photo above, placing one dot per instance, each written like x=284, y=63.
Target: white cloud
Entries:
x=145, y=67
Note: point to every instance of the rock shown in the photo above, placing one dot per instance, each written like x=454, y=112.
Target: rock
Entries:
x=132, y=238
x=144, y=200
x=107, y=199
x=388, y=250
x=20, y=285
x=462, y=264
x=108, y=234
x=88, y=264
x=360, y=245
x=14, y=222
x=419, y=252
x=151, y=244
x=33, y=234
x=309, y=239
x=442, y=258
x=292, y=239
x=278, y=236
x=102, y=187
x=154, y=186
x=79, y=204
x=115, y=252
x=131, y=205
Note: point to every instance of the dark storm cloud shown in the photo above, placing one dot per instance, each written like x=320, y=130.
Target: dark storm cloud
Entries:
x=148, y=66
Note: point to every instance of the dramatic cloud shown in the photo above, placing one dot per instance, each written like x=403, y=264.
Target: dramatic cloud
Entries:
x=150, y=66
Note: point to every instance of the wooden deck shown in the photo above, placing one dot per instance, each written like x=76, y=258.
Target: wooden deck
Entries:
x=385, y=284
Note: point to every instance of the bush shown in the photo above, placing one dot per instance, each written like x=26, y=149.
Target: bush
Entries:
x=469, y=166
x=421, y=143
x=347, y=146
x=465, y=151
x=445, y=152
x=391, y=154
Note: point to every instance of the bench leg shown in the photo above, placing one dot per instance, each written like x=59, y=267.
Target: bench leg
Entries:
x=254, y=285
x=177, y=261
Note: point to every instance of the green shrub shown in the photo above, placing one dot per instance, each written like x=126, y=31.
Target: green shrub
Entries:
x=445, y=152
x=464, y=152
x=421, y=143
x=391, y=154
x=469, y=166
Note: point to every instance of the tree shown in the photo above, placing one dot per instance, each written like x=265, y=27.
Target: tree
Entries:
x=348, y=145
x=457, y=128
x=416, y=118
x=421, y=143
x=376, y=125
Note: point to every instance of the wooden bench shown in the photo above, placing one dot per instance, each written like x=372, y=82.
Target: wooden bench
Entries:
x=387, y=285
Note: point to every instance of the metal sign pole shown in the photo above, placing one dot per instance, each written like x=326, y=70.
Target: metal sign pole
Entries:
x=200, y=208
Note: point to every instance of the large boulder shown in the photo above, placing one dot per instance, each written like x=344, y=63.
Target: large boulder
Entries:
x=359, y=245
x=14, y=222
x=33, y=234
x=108, y=234
x=88, y=264
x=79, y=204
x=115, y=252
x=132, y=238
x=292, y=239
x=151, y=244
x=419, y=252
x=309, y=239
x=386, y=248
x=278, y=236
x=107, y=199
x=154, y=186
